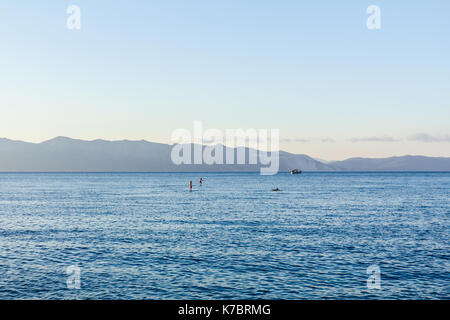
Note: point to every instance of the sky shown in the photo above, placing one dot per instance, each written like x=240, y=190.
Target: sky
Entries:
x=312, y=69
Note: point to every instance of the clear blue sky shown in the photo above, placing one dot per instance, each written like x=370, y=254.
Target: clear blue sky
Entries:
x=141, y=69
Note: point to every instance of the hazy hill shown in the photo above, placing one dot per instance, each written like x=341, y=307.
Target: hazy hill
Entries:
x=404, y=163
x=72, y=155
x=65, y=154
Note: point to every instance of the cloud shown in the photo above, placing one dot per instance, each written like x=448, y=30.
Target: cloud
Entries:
x=307, y=140
x=375, y=139
x=420, y=137
x=302, y=140
x=425, y=137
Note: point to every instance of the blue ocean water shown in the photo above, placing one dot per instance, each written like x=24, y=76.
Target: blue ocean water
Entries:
x=145, y=236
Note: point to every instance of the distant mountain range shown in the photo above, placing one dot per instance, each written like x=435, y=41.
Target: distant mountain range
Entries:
x=63, y=154
x=404, y=163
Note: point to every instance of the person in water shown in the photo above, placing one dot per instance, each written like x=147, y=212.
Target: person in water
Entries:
x=190, y=185
x=201, y=181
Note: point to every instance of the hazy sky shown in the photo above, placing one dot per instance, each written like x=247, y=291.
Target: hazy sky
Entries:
x=141, y=69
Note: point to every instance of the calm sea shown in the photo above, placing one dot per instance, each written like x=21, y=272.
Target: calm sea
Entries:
x=145, y=236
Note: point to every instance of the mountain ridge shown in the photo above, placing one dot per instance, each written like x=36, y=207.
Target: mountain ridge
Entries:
x=63, y=154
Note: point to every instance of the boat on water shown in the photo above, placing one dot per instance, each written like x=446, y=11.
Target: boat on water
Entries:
x=296, y=171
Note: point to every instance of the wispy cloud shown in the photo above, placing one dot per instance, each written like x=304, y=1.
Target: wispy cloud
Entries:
x=425, y=137
x=300, y=140
x=327, y=140
x=420, y=137
x=307, y=140
x=375, y=139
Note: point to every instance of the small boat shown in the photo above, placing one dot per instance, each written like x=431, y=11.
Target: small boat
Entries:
x=296, y=171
